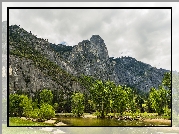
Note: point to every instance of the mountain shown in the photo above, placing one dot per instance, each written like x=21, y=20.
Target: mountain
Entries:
x=137, y=74
x=34, y=64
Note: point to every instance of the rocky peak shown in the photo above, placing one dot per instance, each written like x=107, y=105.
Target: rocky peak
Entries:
x=85, y=42
x=96, y=39
x=95, y=47
x=90, y=57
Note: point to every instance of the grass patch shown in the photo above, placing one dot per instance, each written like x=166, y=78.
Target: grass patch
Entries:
x=16, y=121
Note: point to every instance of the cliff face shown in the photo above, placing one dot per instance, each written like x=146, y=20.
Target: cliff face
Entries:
x=24, y=75
x=36, y=64
x=91, y=58
x=136, y=74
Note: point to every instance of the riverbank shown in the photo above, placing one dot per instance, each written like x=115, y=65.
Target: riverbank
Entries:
x=67, y=119
x=165, y=121
x=159, y=121
x=51, y=122
x=17, y=121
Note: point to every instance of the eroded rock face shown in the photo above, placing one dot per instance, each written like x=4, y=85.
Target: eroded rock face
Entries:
x=25, y=76
x=137, y=74
x=91, y=58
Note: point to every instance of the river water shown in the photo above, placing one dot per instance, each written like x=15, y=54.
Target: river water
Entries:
x=73, y=121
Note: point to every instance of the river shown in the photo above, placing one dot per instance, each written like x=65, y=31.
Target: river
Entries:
x=74, y=121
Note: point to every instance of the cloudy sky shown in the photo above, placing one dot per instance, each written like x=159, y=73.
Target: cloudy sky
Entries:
x=144, y=34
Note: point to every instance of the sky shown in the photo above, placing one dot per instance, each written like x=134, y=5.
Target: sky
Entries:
x=144, y=34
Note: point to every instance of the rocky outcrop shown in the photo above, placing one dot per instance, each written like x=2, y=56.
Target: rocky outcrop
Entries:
x=91, y=58
x=136, y=74
x=25, y=76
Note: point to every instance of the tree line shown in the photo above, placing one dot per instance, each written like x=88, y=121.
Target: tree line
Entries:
x=101, y=98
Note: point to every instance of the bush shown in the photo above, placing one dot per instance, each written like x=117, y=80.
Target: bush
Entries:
x=19, y=105
x=35, y=113
x=167, y=111
x=14, y=104
x=46, y=111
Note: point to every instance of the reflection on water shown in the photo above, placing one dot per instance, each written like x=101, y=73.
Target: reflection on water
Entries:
x=71, y=121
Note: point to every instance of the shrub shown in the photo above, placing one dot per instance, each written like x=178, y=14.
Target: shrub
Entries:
x=46, y=111
x=167, y=111
x=35, y=113
x=14, y=104
x=19, y=105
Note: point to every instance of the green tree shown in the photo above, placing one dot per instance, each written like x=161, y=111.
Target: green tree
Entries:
x=78, y=104
x=119, y=100
x=88, y=103
x=101, y=96
x=61, y=101
x=26, y=105
x=98, y=97
x=46, y=112
x=55, y=106
x=109, y=88
x=19, y=105
x=67, y=101
x=158, y=100
x=145, y=107
x=155, y=100
x=167, y=84
x=164, y=98
x=167, y=80
x=14, y=101
x=86, y=81
x=46, y=96
x=131, y=104
x=141, y=104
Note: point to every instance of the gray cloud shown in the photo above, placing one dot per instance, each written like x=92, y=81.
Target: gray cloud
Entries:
x=143, y=34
